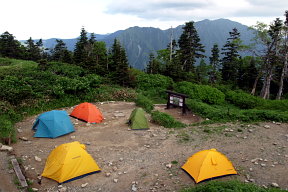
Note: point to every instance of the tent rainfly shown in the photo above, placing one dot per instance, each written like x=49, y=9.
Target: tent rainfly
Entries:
x=87, y=112
x=53, y=124
x=137, y=120
x=208, y=164
x=68, y=162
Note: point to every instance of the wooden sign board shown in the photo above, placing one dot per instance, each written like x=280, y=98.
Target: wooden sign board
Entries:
x=176, y=100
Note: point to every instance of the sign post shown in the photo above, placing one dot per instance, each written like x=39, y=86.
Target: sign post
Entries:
x=176, y=100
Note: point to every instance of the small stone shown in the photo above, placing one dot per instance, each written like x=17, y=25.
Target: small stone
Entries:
x=115, y=180
x=6, y=148
x=254, y=160
x=263, y=164
x=156, y=175
x=267, y=126
x=73, y=137
x=274, y=185
x=134, y=188
x=250, y=169
x=207, y=119
x=19, y=130
x=62, y=189
x=84, y=185
x=35, y=189
x=60, y=186
x=244, y=137
x=38, y=159
x=274, y=143
x=108, y=174
x=252, y=180
x=265, y=160
x=250, y=130
x=11, y=171
x=169, y=165
x=121, y=159
x=277, y=123
x=114, y=168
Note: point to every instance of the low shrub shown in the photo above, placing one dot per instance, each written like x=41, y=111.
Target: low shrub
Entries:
x=166, y=120
x=263, y=115
x=242, y=99
x=204, y=93
x=229, y=186
x=7, y=131
x=144, y=102
x=153, y=85
x=281, y=105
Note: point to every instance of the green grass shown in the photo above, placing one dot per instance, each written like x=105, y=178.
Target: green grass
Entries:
x=228, y=186
x=6, y=64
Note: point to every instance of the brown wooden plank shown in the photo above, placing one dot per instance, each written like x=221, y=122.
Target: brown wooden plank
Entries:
x=18, y=172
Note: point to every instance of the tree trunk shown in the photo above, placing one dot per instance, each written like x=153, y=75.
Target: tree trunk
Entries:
x=283, y=74
x=265, y=92
x=255, y=84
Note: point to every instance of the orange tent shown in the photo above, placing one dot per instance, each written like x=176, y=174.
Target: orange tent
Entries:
x=87, y=112
x=208, y=164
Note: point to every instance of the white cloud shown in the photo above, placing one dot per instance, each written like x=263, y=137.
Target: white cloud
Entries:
x=64, y=18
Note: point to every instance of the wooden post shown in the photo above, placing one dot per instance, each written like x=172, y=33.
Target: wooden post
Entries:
x=18, y=172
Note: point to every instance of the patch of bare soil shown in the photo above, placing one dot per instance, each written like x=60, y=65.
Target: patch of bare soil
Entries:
x=151, y=160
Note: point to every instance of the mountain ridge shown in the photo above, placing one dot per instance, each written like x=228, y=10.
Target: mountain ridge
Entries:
x=139, y=42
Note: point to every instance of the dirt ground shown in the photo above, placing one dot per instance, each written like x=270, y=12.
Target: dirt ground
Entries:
x=151, y=160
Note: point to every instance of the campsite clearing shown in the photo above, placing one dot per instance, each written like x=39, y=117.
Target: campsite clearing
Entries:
x=151, y=160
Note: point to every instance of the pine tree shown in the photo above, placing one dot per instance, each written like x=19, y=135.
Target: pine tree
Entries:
x=118, y=64
x=229, y=61
x=100, y=58
x=190, y=47
x=153, y=66
x=10, y=47
x=33, y=52
x=61, y=53
x=214, y=64
x=202, y=72
x=80, y=52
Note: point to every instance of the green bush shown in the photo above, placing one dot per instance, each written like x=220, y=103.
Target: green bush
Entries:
x=144, y=102
x=242, y=99
x=166, y=120
x=263, y=115
x=204, y=93
x=64, y=69
x=14, y=90
x=209, y=111
x=153, y=85
x=229, y=186
x=281, y=105
x=7, y=131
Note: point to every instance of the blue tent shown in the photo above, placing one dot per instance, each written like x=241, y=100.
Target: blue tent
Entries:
x=53, y=124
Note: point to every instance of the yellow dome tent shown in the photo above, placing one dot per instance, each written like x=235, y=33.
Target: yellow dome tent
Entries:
x=68, y=162
x=207, y=164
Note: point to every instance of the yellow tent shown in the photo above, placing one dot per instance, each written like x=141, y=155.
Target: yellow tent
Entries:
x=207, y=164
x=68, y=162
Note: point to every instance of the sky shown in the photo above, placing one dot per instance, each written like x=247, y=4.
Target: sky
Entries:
x=65, y=18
